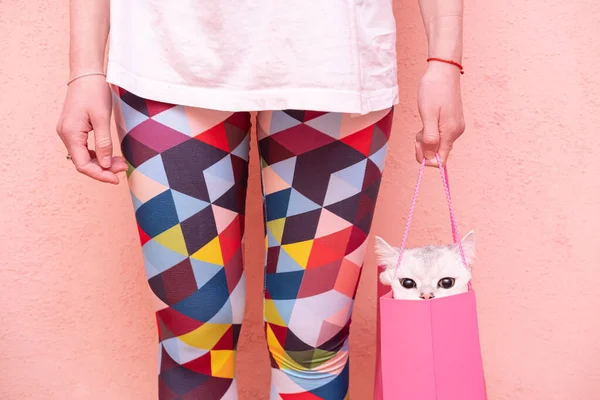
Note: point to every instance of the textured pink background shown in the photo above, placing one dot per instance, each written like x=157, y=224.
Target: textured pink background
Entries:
x=75, y=314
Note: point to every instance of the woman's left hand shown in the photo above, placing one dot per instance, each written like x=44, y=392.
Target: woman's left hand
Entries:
x=441, y=110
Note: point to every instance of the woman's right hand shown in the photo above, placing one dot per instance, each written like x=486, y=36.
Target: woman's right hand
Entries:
x=87, y=108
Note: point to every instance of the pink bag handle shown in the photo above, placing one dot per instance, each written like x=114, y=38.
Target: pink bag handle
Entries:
x=455, y=235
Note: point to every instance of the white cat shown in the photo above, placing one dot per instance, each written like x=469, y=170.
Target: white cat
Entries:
x=427, y=272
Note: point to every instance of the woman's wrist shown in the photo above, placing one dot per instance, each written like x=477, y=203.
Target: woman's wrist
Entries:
x=445, y=70
x=444, y=35
x=76, y=77
x=85, y=69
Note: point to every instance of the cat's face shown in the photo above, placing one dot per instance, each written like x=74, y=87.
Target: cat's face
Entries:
x=427, y=272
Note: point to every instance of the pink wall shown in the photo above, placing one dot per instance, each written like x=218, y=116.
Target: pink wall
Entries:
x=76, y=319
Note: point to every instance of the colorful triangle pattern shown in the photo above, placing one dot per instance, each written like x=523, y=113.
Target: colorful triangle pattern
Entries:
x=188, y=172
x=188, y=178
x=320, y=178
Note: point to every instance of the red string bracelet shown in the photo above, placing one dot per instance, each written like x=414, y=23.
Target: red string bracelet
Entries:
x=447, y=62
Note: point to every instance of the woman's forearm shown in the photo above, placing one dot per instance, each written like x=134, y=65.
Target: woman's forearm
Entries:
x=443, y=21
x=90, y=22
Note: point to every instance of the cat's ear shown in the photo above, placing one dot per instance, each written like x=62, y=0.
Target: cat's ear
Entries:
x=386, y=254
x=468, y=245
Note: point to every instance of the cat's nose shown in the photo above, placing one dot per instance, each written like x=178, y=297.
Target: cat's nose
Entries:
x=427, y=296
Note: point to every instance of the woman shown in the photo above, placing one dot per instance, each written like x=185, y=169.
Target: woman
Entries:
x=184, y=76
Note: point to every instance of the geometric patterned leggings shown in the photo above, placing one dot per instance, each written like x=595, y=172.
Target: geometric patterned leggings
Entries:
x=188, y=170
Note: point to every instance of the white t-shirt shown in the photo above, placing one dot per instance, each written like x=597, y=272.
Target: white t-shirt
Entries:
x=249, y=55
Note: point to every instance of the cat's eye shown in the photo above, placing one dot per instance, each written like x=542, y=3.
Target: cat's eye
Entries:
x=446, y=283
x=408, y=283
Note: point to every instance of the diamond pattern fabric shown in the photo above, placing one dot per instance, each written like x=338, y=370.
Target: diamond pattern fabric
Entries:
x=188, y=178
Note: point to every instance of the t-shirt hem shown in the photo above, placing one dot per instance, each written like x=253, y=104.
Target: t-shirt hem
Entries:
x=313, y=99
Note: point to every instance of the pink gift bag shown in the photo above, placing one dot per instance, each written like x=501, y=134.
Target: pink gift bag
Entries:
x=429, y=349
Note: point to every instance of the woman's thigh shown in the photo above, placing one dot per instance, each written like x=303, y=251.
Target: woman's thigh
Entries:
x=188, y=170
x=321, y=175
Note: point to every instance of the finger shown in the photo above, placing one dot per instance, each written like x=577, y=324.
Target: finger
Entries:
x=431, y=163
x=119, y=164
x=444, y=152
x=81, y=158
x=430, y=138
x=452, y=130
x=106, y=175
x=104, y=147
x=419, y=153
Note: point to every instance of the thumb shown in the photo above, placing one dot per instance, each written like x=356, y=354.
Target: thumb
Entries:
x=431, y=137
x=103, y=147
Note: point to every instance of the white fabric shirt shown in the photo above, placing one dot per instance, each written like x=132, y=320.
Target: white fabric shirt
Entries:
x=250, y=55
